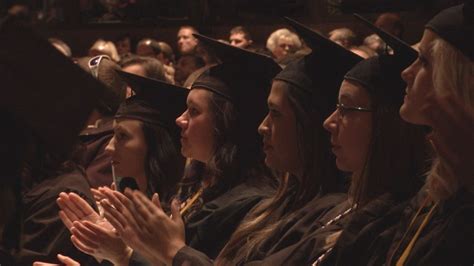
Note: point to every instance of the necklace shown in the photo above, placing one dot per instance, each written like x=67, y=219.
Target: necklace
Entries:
x=333, y=220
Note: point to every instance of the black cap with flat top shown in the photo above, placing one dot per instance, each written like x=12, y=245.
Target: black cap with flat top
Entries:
x=243, y=78
x=456, y=26
x=237, y=66
x=381, y=74
x=155, y=102
x=43, y=87
x=321, y=72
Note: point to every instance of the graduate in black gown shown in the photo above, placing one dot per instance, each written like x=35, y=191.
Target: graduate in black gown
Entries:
x=295, y=94
x=52, y=104
x=436, y=228
x=219, y=132
x=95, y=137
x=144, y=152
x=309, y=85
x=385, y=155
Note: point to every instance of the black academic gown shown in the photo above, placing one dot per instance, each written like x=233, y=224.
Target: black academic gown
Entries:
x=447, y=239
x=294, y=227
x=369, y=231
x=94, y=158
x=43, y=233
x=210, y=226
x=314, y=244
x=209, y=229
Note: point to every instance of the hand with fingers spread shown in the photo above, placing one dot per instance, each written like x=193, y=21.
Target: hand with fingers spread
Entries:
x=453, y=137
x=91, y=233
x=74, y=208
x=144, y=226
x=101, y=243
x=63, y=259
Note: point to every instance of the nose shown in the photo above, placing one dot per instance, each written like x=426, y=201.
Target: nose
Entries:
x=182, y=121
x=407, y=74
x=110, y=148
x=330, y=124
x=263, y=128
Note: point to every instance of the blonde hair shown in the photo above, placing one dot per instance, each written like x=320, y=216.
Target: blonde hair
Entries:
x=272, y=41
x=453, y=73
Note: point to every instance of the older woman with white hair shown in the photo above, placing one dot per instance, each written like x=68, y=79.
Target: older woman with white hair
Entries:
x=283, y=42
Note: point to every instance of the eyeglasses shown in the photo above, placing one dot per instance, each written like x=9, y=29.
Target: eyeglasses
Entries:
x=343, y=110
x=94, y=64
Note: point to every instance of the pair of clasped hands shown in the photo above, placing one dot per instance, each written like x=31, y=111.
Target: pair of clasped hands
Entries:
x=127, y=222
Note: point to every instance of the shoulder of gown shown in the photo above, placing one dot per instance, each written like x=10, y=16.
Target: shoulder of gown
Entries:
x=43, y=233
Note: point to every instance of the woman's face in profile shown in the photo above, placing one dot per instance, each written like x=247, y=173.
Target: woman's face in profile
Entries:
x=197, y=126
x=279, y=132
x=419, y=79
x=351, y=130
x=128, y=149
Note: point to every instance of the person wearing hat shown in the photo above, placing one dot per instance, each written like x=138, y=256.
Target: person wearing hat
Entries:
x=435, y=227
x=145, y=146
x=316, y=173
x=98, y=132
x=385, y=155
x=307, y=87
x=226, y=176
x=438, y=227
x=48, y=118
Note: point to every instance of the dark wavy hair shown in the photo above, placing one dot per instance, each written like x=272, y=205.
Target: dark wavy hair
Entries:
x=236, y=157
x=164, y=164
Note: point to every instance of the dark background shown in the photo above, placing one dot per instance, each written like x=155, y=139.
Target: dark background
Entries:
x=80, y=22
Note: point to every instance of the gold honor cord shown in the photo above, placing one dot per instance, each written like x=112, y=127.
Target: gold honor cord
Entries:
x=190, y=202
x=406, y=252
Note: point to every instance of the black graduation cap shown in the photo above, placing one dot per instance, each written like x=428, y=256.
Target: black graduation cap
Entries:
x=381, y=75
x=155, y=102
x=44, y=88
x=237, y=65
x=456, y=26
x=403, y=50
x=321, y=72
x=243, y=77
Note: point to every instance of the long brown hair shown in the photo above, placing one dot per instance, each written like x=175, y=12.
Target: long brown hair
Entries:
x=397, y=157
x=319, y=177
x=235, y=158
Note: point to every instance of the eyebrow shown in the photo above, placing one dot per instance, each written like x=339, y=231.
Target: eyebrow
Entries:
x=346, y=96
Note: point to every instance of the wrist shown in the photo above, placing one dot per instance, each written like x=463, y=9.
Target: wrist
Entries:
x=173, y=250
x=124, y=259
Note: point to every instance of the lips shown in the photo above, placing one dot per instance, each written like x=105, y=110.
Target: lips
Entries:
x=335, y=147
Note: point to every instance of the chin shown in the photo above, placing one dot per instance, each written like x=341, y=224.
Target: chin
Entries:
x=342, y=166
x=411, y=116
x=269, y=161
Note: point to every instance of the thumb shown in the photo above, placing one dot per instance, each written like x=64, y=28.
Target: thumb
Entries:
x=67, y=260
x=175, y=214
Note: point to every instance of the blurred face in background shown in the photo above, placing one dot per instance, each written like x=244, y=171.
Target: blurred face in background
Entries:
x=239, y=40
x=186, y=41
